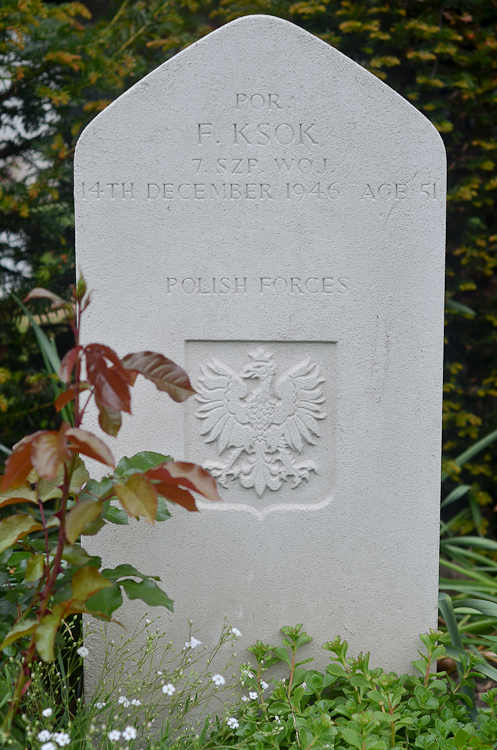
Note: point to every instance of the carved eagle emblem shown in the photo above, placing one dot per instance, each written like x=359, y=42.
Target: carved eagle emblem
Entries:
x=260, y=430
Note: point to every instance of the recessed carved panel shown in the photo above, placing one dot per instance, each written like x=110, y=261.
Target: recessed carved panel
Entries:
x=263, y=422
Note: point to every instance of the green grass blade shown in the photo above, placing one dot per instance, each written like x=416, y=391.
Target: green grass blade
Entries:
x=447, y=610
x=476, y=448
x=47, y=349
x=4, y=449
x=472, y=541
x=456, y=494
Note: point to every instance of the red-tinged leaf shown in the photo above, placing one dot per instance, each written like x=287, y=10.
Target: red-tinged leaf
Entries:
x=184, y=474
x=68, y=362
x=18, y=466
x=23, y=494
x=176, y=495
x=166, y=375
x=19, y=630
x=138, y=497
x=111, y=383
x=108, y=419
x=69, y=395
x=48, y=452
x=38, y=292
x=89, y=445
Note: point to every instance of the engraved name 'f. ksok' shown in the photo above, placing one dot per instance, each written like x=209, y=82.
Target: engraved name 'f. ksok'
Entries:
x=260, y=431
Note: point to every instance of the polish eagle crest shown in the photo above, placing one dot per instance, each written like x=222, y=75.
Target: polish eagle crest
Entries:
x=260, y=431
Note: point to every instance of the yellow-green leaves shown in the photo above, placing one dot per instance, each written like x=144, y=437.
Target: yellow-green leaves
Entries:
x=14, y=528
x=20, y=629
x=138, y=497
x=86, y=582
x=46, y=632
x=35, y=567
x=82, y=513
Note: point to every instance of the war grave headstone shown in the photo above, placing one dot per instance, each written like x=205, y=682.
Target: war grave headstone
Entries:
x=270, y=215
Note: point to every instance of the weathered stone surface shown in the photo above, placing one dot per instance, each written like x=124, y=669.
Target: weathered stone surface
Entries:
x=271, y=216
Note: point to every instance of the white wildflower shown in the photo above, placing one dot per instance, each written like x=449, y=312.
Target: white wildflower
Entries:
x=49, y=746
x=246, y=673
x=244, y=698
x=114, y=735
x=253, y=695
x=159, y=672
x=277, y=719
x=236, y=632
x=147, y=621
x=192, y=643
x=232, y=723
x=136, y=702
x=218, y=680
x=99, y=705
x=305, y=686
x=83, y=652
x=125, y=702
x=168, y=689
x=129, y=733
x=47, y=712
x=264, y=685
x=44, y=735
x=61, y=738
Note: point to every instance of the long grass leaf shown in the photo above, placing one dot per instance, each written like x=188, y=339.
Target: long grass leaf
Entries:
x=461, y=554
x=472, y=541
x=47, y=349
x=4, y=449
x=468, y=454
x=447, y=610
x=456, y=494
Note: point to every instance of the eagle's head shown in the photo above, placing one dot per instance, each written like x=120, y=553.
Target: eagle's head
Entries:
x=262, y=365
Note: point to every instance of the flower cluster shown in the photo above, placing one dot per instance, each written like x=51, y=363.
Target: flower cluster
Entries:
x=236, y=632
x=232, y=723
x=192, y=643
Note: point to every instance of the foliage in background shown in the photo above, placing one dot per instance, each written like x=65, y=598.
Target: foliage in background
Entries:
x=149, y=690
x=350, y=705
x=50, y=500
x=60, y=68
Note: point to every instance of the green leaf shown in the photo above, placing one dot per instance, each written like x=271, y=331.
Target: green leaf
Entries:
x=15, y=527
x=139, y=462
x=471, y=541
x=352, y=737
x=105, y=601
x=336, y=669
x=125, y=570
x=20, y=629
x=360, y=681
x=35, y=567
x=79, y=516
x=452, y=304
x=115, y=515
x=46, y=631
x=482, y=606
x=456, y=494
x=74, y=554
x=162, y=510
x=476, y=448
x=93, y=527
x=86, y=582
x=148, y=592
x=282, y=655
x=460, y=738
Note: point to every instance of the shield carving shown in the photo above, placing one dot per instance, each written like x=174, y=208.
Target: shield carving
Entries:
x=262, y=423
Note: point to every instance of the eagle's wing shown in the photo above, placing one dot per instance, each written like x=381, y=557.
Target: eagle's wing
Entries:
x=219, y=391
x=299, y=408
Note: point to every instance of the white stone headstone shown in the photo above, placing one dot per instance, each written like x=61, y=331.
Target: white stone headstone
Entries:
x=270, y=215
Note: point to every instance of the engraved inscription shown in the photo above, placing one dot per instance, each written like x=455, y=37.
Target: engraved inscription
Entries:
x=263, y=285
x=261, y=430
